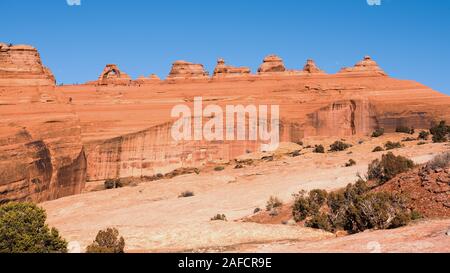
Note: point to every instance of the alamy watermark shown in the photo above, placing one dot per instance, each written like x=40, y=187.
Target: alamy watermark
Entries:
x=73, y=2
x=374, y=2
x=232, y=123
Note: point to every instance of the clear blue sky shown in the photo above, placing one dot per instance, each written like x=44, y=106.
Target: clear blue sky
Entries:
x=409, y=38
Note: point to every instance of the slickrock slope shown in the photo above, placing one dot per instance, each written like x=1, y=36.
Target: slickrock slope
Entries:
x=41, y=153
x=20, y=65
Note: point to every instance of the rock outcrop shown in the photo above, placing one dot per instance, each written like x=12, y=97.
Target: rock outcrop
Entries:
x=187, y=70
x=311, y=68
x=223, y=70
x=272, y=64
x=366, y=66
x=20, y=65
x=153, y=78
x=41, y=152
x=112, y=75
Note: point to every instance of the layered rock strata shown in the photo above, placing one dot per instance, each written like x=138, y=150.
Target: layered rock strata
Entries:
x=187, y=70
x=20, y=65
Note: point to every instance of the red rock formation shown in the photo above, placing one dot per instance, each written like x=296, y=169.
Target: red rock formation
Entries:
x=311, y=68
x=366, y=66
x=187, y=70
x=20, y=65
x=147, y=80
x=223, y=70
x=272, y=64
x=112, y=75
x=126, y=132
x=41, y=153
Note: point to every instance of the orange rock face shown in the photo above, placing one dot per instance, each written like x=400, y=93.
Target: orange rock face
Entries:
x=41, y=153
x=20, y=65
x=126, y=127
x=187, y=70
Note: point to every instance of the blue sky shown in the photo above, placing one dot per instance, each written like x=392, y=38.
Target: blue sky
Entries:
x=410, y=39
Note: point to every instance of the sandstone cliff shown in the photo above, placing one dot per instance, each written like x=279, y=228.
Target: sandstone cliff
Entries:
x=20, y=65
x=41, y=153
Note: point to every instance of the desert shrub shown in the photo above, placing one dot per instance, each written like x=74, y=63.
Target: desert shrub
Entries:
x=378, y=149
x=186, y=194
x=381, y=211
x=440, y=132
x=408, y=139
x=440, y=161
x=392, y=145
x=295, y=154
x=319, y=149
x=219, y=168
x=388, y=167
x=273, y=203
x=219, y=217
x=421, y=143
x=320, y=221
x=257, y=210
x=107, y=241
x=423, y=135
x=378, y=132
x=23, y=230
x=350, y=163
x=300, y=143
x=339, y=146
x=404, y=129
x=113, y=184
x=308, y=205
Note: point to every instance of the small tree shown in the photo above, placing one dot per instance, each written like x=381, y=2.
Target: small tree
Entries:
x=107, y=241
x=389, y=166
x=23, y=230
x=440, y=132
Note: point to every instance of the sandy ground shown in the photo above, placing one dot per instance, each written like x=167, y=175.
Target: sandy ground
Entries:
x=152, y=218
